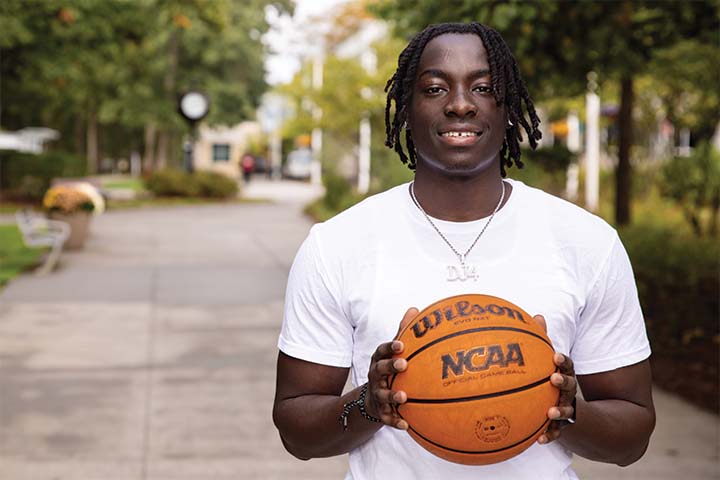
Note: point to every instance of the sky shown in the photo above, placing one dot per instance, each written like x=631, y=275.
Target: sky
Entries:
x=287, y=40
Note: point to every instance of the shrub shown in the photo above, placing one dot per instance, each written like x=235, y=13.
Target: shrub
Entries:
x=176, y=183
x=556, y=158
x=678, y=277
x=30, y=187
x=215, y=185
x=27, y=176
x=339, y=196
x=338, y=192
x=694, y=184
x=171, y=183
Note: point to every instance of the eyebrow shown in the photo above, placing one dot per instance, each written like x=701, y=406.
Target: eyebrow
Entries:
x=483, y=72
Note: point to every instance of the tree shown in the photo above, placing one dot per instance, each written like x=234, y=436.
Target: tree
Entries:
x=112, y=70
x=694, y=184
x=349, y=93
x=559, y=42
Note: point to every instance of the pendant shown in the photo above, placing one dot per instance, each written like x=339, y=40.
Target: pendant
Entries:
x=462, y=273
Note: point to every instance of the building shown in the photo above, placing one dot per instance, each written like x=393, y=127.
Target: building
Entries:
x=219, y=149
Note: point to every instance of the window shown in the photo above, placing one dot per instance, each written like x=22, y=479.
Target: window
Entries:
x=220, y=152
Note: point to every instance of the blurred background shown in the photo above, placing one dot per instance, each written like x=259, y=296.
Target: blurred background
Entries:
x=170, y=103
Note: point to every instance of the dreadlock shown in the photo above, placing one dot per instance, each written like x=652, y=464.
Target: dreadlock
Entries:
x=508, y=89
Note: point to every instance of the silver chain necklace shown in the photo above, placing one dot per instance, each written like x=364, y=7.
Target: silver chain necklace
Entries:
x=464, y=272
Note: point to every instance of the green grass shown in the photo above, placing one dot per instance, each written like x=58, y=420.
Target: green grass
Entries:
x=15, y=257
x=134, y=184
x=174, y=202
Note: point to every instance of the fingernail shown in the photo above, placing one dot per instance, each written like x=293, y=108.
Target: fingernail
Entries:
x=554, y=413
x=397, y=346
x=399, y=364
x=559, y=358
x=402, y=425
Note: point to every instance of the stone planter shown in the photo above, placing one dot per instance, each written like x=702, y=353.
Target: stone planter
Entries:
x=79, y=227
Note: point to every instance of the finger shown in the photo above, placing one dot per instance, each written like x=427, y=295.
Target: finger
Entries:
x=387, y=350
x=564, y=383
x=409, y=316
x=540, y=320
x=387, y=367
x=382, y=403
x=384, y=396
x=567, y=386
x=394, y=420
x=564, y=363
x=551, y=434
x=560, y=412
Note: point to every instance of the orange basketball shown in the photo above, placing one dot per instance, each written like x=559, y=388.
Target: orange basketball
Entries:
x=478, y=379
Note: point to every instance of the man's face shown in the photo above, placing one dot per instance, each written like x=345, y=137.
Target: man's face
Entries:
x=457, y=127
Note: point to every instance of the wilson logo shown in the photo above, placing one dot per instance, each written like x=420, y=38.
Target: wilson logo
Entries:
x=481, y=358
x=460, y=310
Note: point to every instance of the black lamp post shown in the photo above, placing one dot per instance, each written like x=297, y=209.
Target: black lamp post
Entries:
x=193, y=106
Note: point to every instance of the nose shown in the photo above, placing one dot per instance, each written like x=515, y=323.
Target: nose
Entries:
x=460, y=104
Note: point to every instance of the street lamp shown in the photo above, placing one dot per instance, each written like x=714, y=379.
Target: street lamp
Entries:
x=193, y=106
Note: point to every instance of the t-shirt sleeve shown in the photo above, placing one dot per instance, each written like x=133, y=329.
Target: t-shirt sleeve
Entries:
x=315, y=327
x=611, y=330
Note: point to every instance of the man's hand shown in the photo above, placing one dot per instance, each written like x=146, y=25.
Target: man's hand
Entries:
x=566, y=382
x=380, y=398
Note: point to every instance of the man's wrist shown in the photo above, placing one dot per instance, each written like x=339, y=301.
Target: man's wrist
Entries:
x=360, y=404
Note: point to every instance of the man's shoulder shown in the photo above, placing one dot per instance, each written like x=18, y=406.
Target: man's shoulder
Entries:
x=359, y=225
x=560, y=213
x=365, y=213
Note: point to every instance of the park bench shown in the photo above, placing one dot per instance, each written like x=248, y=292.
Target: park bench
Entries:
x=38, y=231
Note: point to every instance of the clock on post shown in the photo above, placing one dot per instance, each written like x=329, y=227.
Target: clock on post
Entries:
x=193, y=106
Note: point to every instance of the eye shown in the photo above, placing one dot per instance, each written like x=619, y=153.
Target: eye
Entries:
x=483, y=89
x=434, y=90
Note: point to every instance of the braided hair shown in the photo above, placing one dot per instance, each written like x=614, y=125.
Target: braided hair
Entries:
x=508, y=89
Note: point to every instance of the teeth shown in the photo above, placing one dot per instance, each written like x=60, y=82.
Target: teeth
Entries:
x=459, y=134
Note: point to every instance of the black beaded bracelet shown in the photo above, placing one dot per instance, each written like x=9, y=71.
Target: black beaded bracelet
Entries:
x=360, y=403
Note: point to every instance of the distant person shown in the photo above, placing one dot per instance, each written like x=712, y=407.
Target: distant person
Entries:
x=247, y=163
x=461, y=108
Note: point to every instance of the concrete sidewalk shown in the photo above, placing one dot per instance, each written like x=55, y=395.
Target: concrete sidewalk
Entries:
x=151, y=353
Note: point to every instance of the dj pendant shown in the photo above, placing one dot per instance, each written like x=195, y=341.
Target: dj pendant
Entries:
x=462, y=273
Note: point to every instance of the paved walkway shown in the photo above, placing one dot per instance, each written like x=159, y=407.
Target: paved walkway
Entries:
x=150, y=355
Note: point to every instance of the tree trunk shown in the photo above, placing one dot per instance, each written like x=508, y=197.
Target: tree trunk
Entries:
x=162, y=150
x=92, y=142
x=79, y=135
x=148, y=160
x=172, y=149
x=623, y=173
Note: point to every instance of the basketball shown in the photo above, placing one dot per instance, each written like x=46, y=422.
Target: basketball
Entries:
x=478, y=379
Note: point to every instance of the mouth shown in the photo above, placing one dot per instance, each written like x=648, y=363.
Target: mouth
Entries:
x=460, y=134
x=460, y=137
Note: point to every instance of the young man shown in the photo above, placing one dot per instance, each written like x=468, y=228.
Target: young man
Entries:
x=460, y=228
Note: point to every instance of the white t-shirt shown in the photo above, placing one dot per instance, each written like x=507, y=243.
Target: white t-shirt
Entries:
x=356, y=275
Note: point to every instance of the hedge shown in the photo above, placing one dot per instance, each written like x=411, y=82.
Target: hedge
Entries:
x=176, y=183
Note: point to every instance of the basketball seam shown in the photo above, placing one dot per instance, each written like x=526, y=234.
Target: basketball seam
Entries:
x=479, y=397
x=475, y=330
x=482, y=452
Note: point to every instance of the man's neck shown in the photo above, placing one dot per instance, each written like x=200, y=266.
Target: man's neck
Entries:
x=458, y=198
